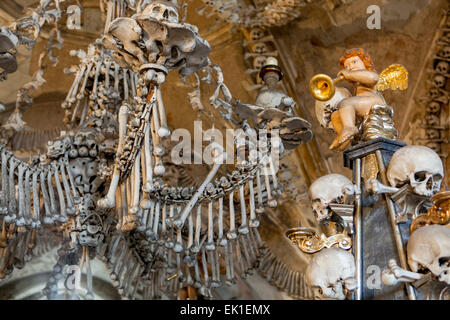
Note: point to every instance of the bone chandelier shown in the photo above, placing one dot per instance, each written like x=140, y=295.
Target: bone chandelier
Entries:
x=99, y=187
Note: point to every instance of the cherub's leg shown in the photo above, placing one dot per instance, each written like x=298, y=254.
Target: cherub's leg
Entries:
x=348, y=109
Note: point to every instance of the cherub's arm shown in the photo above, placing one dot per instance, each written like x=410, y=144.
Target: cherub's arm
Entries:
x=365, y=77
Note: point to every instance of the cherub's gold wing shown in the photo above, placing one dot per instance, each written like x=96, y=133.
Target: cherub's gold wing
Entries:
x=393, y=77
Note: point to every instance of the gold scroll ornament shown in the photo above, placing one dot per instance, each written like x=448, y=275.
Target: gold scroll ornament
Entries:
x=439, y=213
x=309, y=241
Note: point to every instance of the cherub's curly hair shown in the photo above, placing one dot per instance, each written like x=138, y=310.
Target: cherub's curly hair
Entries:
x=364, y=56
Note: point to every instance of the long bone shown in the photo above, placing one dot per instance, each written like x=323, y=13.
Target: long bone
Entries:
x=75, y=197
x=125, y=85
x=148, y=183
x=179, y=244
x=190, y=241
x=123, y=209
x=163, y=237
x=272, y=202
x=180, y=275
x=232, y=231
x=149, y=224
x=251, y=248
x=47, y=205
x=142, y=223
x=27, y=213
x=90, y=294
x=136, y=185
x=247, y=257
x=109, y=200
x=71, y=95
x=218, y=159
x=198, y=228
x=220, y=239
x=122, y=268
x=198, y=280
x=36, y=218
x=21, y=213
x=158, y=150
x=12, y=205
x=129, y=287
x=212, y=262
x=154, y=237
x=243, y=228
x=260, y=208
x=228, y=278
x=70, y=206
x=205, y=268
x=237, y=251
x=163, y=129
x=119, y=261
x=395, y=274
x=210, y=244
x=62, y=217
x=93, y=95
x=4, y=180
x=131, y=270
x=51, y=192
x=253, y=223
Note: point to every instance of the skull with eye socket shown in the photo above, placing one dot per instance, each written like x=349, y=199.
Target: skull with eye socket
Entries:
x=418, y=166
x=162, y=11
x=329, y=189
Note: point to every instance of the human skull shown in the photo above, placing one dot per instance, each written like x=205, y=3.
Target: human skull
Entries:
x=432, y=134
x=260, y=47
x=439, y=81
x=445, y=52
x=432, y=120
x=433, y=107
x=84, y=172
x=429, y=247
x=331, y=274
x=419, y=166
x=161, y=11
x=332, y=188
x=435, y=92
x=442, y=67
x=258, y=62
x=445, y=37
x=256, y=34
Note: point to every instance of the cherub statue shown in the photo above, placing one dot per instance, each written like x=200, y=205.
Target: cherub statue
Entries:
x=341, y=108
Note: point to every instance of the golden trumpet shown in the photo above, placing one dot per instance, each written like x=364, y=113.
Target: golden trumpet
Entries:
x=322, y=87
